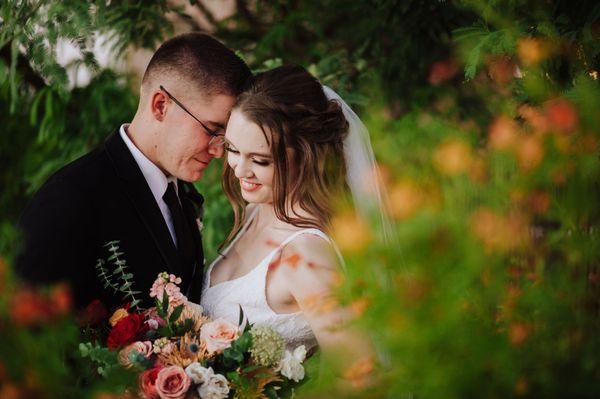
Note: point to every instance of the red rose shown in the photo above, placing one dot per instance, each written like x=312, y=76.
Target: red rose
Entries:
x=126, y=331
x=93, y=314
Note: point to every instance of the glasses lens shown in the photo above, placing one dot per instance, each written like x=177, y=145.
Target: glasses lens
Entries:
x=217, y=141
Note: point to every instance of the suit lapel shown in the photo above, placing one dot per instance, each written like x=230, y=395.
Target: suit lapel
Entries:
x=136, y=188
x=192, y=204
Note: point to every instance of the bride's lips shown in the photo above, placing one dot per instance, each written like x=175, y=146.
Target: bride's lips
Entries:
x=248, y=186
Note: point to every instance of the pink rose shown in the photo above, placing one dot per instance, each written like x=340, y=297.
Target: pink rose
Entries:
x=148, y=383
x=172, y=383
x=143, y=348
x=218, y=335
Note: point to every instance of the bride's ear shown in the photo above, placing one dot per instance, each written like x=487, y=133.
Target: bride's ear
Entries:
x=158, y=105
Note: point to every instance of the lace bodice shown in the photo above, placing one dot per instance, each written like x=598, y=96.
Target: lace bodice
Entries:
x=249, y=291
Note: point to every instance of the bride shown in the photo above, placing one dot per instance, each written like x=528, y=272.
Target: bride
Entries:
x=286, y=144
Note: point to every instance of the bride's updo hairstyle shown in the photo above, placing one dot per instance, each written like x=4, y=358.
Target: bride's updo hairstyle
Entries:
x=305, y=132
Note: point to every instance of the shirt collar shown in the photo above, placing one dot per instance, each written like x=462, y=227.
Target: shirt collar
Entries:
x=156, y=179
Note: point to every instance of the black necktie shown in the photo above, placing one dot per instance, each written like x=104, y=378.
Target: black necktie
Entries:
x=185, y=242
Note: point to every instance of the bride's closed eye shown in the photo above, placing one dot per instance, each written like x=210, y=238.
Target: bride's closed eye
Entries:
x=259, y=162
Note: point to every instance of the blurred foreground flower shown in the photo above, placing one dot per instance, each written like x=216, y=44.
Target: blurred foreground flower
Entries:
x=530, y=152
x=350, y=232
x=499, y=233
x=502, y=70
x=31, y=307
x=405, y=199
x=502, y=133
x=442, y=71
x=532, y=51
x=453, y=157
x=359, y=373
x=562, y=115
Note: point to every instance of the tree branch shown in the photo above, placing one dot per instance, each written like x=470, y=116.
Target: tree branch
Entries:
x=24, y=68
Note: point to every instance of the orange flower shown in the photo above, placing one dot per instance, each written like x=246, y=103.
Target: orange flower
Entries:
x=442, y=71
x=10, y=391
x=359, y=373
x=453, y=157
x=405, y=199
x=350, y=232
x=29, y=308
x=535, y=118
x=359, y=306
x=502, y=133
x=539, y=202
x=532, y=51
x=60, y=299
x=530, y=152
x=518, y=333
x=562, y=115
x=521, y=387
x=502, y=70
x=499, y=233
x=118, y=315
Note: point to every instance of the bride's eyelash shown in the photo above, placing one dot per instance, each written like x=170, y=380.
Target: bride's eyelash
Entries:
x=256, y=161
x=261, y=163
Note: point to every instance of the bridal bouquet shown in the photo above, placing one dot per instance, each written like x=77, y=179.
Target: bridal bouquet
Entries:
x=177, y=352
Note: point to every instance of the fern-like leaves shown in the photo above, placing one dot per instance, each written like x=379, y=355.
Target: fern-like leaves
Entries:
x=114, y=275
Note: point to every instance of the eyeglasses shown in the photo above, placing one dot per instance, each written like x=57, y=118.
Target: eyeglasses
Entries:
x=216, y=139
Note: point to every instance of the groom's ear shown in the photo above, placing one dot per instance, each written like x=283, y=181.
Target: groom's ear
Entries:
x=158, y=105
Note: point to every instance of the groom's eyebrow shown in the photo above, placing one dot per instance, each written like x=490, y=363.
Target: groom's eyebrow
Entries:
x=217, y=125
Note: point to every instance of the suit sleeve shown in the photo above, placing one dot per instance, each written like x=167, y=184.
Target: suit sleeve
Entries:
x=56, y=234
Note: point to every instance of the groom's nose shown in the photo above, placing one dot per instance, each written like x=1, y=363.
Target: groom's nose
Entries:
x=216, y=151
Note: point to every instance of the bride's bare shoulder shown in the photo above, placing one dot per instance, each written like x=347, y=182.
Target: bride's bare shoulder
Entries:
x=310, y=251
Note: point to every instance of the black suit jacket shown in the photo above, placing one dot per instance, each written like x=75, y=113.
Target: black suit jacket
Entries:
x=101, y=197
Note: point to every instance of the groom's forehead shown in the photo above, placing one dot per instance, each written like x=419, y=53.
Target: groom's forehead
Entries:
x=213, y=106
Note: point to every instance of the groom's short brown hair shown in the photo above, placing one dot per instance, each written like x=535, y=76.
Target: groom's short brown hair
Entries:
x=201, y=60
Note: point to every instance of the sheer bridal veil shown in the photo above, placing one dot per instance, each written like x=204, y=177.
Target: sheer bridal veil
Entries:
x=362, y=174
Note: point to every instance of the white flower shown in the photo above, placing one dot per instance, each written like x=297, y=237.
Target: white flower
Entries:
x=210, y=385
x=199, y=374
x=216, y=387
x=291, y=364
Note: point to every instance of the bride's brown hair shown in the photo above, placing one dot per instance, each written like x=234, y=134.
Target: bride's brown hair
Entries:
x=305, y=132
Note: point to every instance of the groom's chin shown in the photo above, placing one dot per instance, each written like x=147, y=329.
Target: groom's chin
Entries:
x=193, y=176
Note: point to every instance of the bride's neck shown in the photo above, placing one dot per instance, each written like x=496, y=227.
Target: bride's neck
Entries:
x=266, y=217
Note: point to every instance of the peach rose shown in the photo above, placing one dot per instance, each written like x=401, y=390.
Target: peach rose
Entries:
x=148, y=383
x=172, y=383
x=143, y=348
x=118, y=315
x=218, y=335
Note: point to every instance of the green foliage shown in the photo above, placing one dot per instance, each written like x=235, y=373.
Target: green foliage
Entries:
x=118, y=279
x=174, y=327
x=464, y=304
x=105, y=359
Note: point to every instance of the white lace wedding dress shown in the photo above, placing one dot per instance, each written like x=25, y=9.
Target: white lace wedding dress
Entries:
x=248, y=291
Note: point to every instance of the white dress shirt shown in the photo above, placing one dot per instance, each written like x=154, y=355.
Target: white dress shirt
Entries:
x=155, y=178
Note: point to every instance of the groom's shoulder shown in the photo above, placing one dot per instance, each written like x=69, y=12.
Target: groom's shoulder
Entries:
x=87, y=171
x=91, y=165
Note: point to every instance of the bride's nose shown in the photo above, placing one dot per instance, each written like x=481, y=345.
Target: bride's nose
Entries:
x=243, y=169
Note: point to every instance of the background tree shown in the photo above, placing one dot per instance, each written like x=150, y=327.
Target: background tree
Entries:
x=484, y=116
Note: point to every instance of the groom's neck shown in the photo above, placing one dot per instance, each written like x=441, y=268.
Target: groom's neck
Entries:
x=142, y=136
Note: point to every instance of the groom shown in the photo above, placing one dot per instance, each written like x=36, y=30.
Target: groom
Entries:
x=136, y=188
